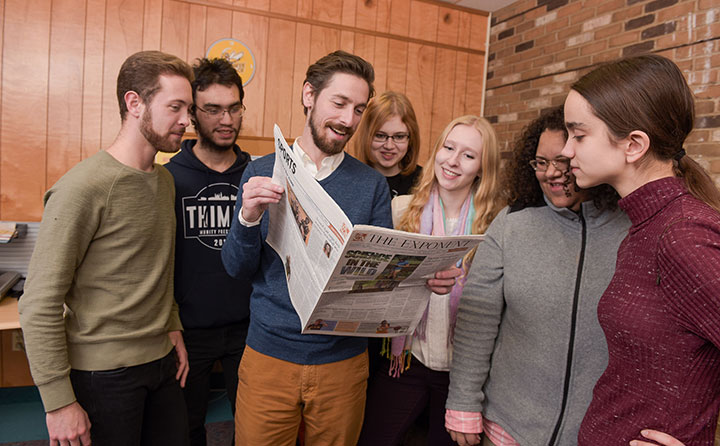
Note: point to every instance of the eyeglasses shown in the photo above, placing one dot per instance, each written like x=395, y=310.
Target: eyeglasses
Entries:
x=398, y=138
x=235, y=111
x=541, y=164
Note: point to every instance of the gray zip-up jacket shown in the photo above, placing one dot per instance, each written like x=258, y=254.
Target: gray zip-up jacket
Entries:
x=528, y=346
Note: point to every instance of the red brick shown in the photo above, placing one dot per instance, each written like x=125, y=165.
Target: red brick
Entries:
x=568, y=32
x=555, y=47
x=544, y=60
x=530, y=94
x=524, y=27
x=559, y=100
x=704, y=107
x=625, y=39
x=706, y=4
x=628, y=13
x=683, y=53
x=579, y=63
x=698, y=135
x=672, y=40
x=559, y=23
x=702, y=149
x=609, y=6
x=606, y=56
x=546, y=40
x=567, y=54
x=594, y=47
x=710, y=92
x=582, y=16
x=534, y=33
x=570, y=9
x=715, y=166
x=541, y=82
x=673, y=12
x=612, y=30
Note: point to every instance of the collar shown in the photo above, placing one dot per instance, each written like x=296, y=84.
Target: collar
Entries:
x=651, y=198
x=327, y=165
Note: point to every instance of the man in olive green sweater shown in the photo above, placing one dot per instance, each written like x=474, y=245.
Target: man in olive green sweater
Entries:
x=101, y=326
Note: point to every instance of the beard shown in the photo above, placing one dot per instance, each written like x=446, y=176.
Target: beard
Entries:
x=161, y=143
x=205, y=137
x=325, y=145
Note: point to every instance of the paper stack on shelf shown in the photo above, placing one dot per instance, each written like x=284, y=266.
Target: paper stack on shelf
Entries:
x=8, y=231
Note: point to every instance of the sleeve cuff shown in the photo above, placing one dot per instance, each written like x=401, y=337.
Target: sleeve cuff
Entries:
x=465, y=422
x=57, y=394
x=249, y=224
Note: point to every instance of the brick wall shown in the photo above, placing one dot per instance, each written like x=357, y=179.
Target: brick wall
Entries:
x=538, y=48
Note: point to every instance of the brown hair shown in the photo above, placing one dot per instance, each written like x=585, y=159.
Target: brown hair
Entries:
x=649, y=93
x=487, y=198
x=378, y=111
x=520, y=182
x=320, y=73
x=141, y=73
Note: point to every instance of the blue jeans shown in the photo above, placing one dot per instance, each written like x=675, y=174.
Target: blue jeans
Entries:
x=204, y=347
x=130, y=406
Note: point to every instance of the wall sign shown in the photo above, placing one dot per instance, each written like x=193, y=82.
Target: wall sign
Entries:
x=237, y=53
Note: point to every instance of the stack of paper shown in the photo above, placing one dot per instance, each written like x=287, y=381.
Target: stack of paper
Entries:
x=8, y=231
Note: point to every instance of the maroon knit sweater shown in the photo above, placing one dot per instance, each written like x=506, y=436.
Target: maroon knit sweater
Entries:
x=661, y=317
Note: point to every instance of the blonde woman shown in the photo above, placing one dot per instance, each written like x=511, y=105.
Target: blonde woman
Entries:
x=457, y=194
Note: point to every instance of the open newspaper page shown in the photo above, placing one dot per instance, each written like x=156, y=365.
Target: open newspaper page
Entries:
x=362, y=281
x=307, y=229
x=378, y=287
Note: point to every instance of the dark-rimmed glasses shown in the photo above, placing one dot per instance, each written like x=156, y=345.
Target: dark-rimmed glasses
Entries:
x=397, y=138
x=541, y=164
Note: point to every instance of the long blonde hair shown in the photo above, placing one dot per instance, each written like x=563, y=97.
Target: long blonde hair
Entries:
x=487, y=198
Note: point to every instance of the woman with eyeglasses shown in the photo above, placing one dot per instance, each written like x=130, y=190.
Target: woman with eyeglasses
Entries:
x=627, y=122
x=528, y=348
x=459, y=194
x=388, y=139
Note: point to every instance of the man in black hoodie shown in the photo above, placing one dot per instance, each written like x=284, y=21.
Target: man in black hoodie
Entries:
x=214, y=307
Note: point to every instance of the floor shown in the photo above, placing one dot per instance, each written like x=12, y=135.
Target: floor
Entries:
x=22, y=419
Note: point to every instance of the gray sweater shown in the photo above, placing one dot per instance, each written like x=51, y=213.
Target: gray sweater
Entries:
x=528, y=347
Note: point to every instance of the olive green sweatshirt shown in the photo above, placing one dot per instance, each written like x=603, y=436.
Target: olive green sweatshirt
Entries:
x=105, y=251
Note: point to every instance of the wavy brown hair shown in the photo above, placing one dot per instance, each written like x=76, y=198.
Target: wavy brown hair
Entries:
x=521, y=184
x=649, y=93
x=378, y=111
x=487, y=197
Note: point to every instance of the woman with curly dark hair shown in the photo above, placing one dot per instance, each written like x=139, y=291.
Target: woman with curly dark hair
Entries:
x=528, y=346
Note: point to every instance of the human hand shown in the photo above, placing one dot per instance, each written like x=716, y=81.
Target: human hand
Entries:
x=182, y=357
x=657, y=436
x=258, y=192
x=444, y=280
x=464, y=439
x=68, y=426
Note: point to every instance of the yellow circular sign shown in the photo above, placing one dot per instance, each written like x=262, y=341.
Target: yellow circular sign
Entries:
x=237, y=53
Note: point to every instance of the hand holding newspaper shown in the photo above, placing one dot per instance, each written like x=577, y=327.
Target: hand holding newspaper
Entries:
x=350, y=280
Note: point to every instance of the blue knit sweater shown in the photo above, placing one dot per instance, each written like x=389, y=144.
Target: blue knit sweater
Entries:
x=363, y=195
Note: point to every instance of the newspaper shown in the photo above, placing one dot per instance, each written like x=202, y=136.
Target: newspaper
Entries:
x=350, y=280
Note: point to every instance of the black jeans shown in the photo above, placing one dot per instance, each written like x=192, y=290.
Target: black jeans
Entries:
x=204, y=347
x=130, y=406
x=393, y=405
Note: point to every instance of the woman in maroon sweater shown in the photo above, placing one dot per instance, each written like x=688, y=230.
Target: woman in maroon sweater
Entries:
x=627, y=121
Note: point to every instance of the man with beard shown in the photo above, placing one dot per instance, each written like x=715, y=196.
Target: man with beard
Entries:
x=286, y=376
x=101, y=327
x=214, y=307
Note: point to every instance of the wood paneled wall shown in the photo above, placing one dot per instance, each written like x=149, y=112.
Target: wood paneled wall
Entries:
x=60, y=58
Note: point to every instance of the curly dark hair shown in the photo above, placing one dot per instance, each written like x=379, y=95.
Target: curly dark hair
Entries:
x=522, y=186
x=215, y=71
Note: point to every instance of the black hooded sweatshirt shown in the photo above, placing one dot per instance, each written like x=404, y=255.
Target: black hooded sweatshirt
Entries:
x=204, y=203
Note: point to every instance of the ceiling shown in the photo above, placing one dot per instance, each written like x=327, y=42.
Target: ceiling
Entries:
x=482, y=5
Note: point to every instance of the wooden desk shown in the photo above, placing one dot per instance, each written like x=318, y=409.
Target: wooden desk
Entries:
x=14, y=369
x=9, y=318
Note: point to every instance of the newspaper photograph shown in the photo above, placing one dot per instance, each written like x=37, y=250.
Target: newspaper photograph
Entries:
x=350, y=281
